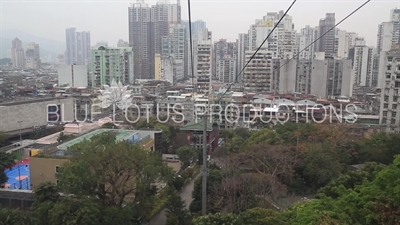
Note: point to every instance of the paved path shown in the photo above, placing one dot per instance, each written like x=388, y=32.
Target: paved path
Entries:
x=186, y=195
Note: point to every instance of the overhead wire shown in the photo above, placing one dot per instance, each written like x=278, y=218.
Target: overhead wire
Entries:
x=258, y=49
x=191, y=56
x=191, y=45
x=304, y=49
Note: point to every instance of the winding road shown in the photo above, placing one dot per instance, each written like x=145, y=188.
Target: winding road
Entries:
x=186, y=195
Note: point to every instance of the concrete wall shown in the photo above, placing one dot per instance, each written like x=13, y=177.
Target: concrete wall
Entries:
x=43, y=169
x=318, y=78
x=20, y=199
x=287, y=77
x=72, y=75
x=32, y=113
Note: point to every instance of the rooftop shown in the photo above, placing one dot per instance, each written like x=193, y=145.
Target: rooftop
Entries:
x=29, y=101
x=120, y=135
x=197, y=126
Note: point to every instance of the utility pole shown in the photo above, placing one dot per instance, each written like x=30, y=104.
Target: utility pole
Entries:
x=20, y=144
x=204, y=168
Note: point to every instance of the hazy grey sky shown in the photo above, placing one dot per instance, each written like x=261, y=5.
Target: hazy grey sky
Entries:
x=108, y=20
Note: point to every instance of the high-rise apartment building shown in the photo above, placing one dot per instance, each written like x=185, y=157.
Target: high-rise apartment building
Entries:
x=303, y=76
x=122, y=43
x=258, y=76
x=196, y=27
x=191, y=57
x=78, y=47
x=344, y=41
x=226, y=69
x=112, y=63
x=327, y=42
x=203, y=62
x=147, y=26
x=330, y=77
x=388, y=37
x=305, y=38
x=224, y=60
x=390, y=101
x=362, y=63
x=285, y=82
x=17, y=54
x=242, y=47
x=324, y=76
x=173, y=48
x=281, y=41
x=33, y=56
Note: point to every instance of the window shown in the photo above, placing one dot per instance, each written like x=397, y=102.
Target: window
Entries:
x=394, y=106
x=57, y=182
x=57, y=169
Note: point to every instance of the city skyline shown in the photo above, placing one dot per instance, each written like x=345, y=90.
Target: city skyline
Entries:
x=244, y=16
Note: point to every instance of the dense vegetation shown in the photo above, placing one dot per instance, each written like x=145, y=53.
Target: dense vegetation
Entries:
x=104, y=182
x=252, y=180
x=258, y=170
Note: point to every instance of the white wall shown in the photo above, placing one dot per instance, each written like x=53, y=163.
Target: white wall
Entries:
x=73, y=75
x=318, y=78
x=32, y=113
x=80, y=76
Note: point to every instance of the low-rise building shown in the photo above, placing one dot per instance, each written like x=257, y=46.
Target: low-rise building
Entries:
x=45, y=165
x=195, y=135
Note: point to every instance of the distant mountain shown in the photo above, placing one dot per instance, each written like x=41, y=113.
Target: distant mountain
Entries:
x=47, y=46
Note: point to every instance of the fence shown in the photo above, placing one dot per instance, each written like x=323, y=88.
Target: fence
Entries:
x=21, y=199
x=24, y=184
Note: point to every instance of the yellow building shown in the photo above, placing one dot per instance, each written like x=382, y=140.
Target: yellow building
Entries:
x=44, y=166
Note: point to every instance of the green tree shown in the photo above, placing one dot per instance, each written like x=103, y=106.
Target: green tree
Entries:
x=3, y=138
x=264, y=136
x=321, y=164
x=176, y=211
x=72, y=211
x=62, y=137
x=177, y=182
x=254, y=216
x=6, y=161
x=213, y=180
x=112, y=171
x=380, y=148
x=261, y=216
x=14, y=217
x=295, y=133
x=351, y=179
x=218, y=218
x=109, y=125
x=186, y=154
x=371, y=203
x=235, y=139
x=46, y=197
